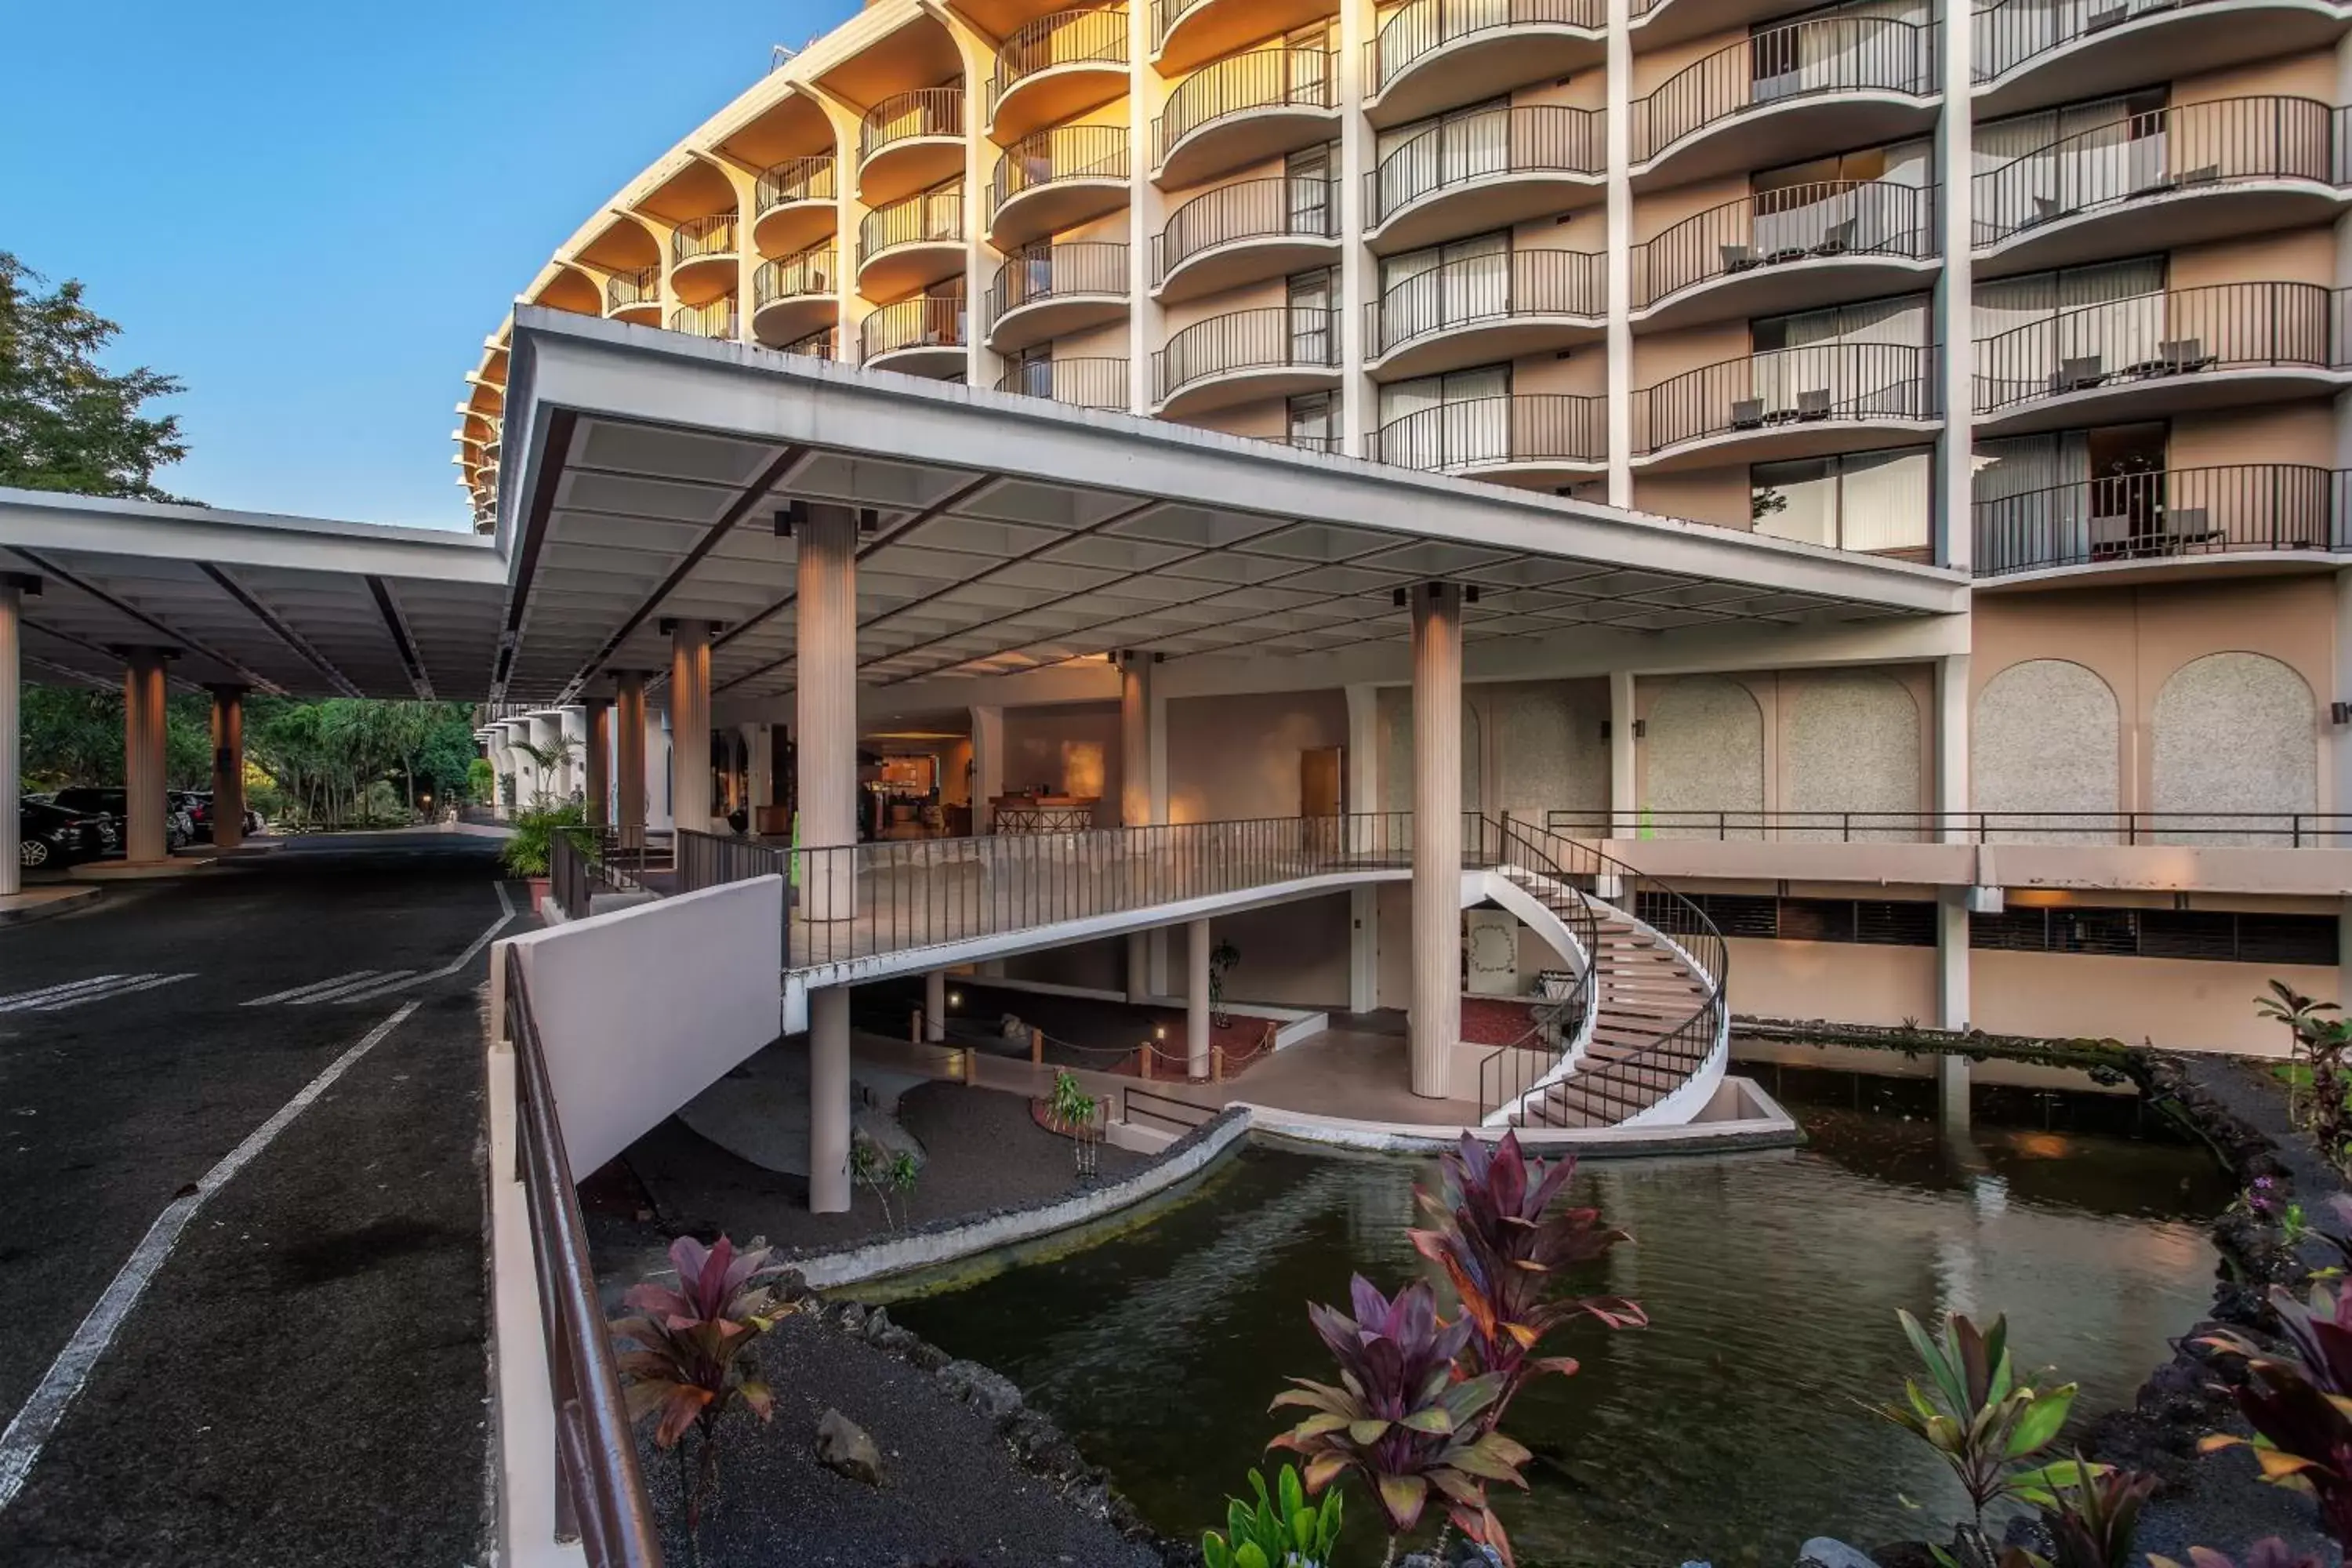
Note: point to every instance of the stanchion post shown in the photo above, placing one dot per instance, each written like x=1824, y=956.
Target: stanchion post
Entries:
x=1036, y=1047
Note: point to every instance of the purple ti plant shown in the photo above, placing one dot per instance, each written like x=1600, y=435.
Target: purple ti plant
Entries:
x=2299, y=1402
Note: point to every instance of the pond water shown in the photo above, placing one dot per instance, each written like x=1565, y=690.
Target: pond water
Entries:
x=1728, y=1429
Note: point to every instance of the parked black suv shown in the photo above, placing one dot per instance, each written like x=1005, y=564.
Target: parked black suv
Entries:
x=49, y=835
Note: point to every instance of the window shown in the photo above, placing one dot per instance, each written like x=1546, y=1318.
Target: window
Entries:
x=1860, y=500
x=1441, y=421
x=1313, y=422
x=1310, y=174
x=1428, y=154
x=1311, y=340
x=1873, y=200
x=2220, y=935
x=1423, y=290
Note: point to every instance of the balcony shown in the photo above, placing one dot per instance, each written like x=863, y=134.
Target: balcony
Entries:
x=795, y=205
x=1791, y=92
x=2151, y=356
x=824, y=344
x=1432, y=55
x=634, y=296
x=1080, y=383
x=909, y=141
x=920, y=336
x=1244, y=357
x=1244, y=233
x=2032, y=53
x=1657, y=23
x=795, y=295
x=1537, y=439
x=1482, y=309
x=911, y=244
x=2230, y=521
x=1804, y=402
x=1789, y=249
x=1188, y=33
x=714, y=319
x=703, y=255
x=1486, y=172
x=2154, y=181
x=1057, y=68
x=1056, y=180
x=1051, y=291
x=1246, y=108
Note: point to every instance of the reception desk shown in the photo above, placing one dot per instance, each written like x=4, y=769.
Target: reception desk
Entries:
x=1013, y=813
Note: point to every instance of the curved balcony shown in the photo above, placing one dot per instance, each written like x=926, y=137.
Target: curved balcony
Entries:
x=714, y=319
x=824, y=344
x=1789, y=249
x=1788, y=403
x=2154, y=181
x=1247, y=232
x=1055, y=67
x=909, y=141
x=794, y=205
x=1430, y=54
x=2031, y=53
x=1051, y=290
x=2241, y=517
x=1243, y=110
x=1541, y=439
x=1791, y=92
x=2150, y=356
x=1080, y=383
x=1482, y=309
x=911, y=244
x=1276, y=352
x=634, y=296
x=1657, y=23
x=1187, y=33
x=703, y=254
x=1485, y=172
x=920, y=336
x=1056, y=180
x=795, y=295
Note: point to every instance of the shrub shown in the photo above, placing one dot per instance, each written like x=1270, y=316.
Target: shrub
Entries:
x=1290, y=1535
x=529, y=851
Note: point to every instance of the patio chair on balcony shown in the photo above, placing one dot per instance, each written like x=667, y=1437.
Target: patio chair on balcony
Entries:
x=2077, y=374
x=1813, y=405
x=2203, y=174
x=1837, y=240
x=1738, y=257
x=2100, y=21
x=1747, y=414
x=2186, y=527
x=2182, y=355
x=2110, y=537
x=2046, y=209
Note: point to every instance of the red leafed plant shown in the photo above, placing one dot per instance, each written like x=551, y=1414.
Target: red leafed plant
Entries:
x=2299, y=1402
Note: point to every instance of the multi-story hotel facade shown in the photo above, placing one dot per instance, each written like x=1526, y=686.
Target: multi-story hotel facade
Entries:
x=2049, y=294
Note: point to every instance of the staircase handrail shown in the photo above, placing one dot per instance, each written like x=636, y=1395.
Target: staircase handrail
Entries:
x=1584, y=926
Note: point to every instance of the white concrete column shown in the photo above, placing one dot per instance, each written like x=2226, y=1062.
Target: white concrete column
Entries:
x=935, y=1005
x=1952, y=748
x=829, y=1130
x=1134, y=789
x=1618, y=131
x=597, y=762
x=826, y=725
x=1363, y=806
x=143, y=755
x=987, y=764
x=1359, y=271
x=629, y=758
x=1624, y=778
x=1196, y=999
x=1436, y=1017
x=228, y=766
x=689, y=723
x=1955, y=289
x=14, y=586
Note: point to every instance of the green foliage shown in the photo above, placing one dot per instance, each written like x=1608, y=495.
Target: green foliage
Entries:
x=67, y=422
x=2092, y=1517
x=890, y=1175
x=528, y=852
x=1071, y=1106
x=1281, y=1531
x=481, y=780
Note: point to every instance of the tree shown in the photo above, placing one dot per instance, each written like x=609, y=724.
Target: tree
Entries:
x=67, y=422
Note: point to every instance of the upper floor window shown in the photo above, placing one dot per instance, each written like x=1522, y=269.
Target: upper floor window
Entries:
x=1860, y=500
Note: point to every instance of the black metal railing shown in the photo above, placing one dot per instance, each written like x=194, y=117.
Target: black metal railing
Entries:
x=2009, y=33
x=1812, y=59
x=1794, y=223
x=2158, y=336
x=2161, y=515
x=716, y=320
x=796, y=277
x=824, y=343
x=1274, y=77
x=623, y=290
x=703, y=237
x=712, y=860
x=1496, y=286
x=1531, y=138
x=1100, y=382
x=1096, y=36
x=1490, y=432
x=1416, y=30
x=1840, y=381
x=796, y=180
x=2278, y=830
x=1054, y=270
x=926, y=113
x=583, y=862
x=1274, y=338
x=924, y=322
x=927, y=217
x=1049, y=157
x=600, y=1491
x=1246, y=210
x=2157, y=154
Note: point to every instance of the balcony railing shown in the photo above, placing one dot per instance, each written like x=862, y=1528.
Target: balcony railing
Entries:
x=1248, y=209
x=928, y=217
x=797, y=276
x=1818, y=382
x=1492, y=287
x=928, y=111
x=2160, y=336
x=1048, y=271
x=1064, y=38
x=796, y=180
x=1166, y=14
x=824, y=343
x=925, y=322
x=2194, y=147
x=716, y=320
x=703, y=237
x=2010, y=32
x=1424, y=26
x=1082, y=382
x=1261, y=79
x=625, y=288
x=2162, y=515
x=1795, y=223
x=1532, y=139
x=1803, y=59
x=1064, y=153
x=1277, y=337
x=1482, y=432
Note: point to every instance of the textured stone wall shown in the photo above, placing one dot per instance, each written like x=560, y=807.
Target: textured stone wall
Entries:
x=1704, y=751
x=1395, y=710
x=2234, y=732
x=1850, y=744
x=2046, y=742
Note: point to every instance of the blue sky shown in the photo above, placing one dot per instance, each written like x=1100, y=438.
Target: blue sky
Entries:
x=312, y=213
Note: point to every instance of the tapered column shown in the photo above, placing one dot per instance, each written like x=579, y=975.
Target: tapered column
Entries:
x=987, y=764
x=228, y=766
x=143, y=755
x=689, y=724
x=829, y=1099
x=598, y=790
x=629, y=759
x=1135, y=790
x=1617, y=131
x=827, y=671
x=12, y=589
x=1624, y=782
x=935, y=1005
x=1369, y=836
x=1196, y=999
x=1437, y=1017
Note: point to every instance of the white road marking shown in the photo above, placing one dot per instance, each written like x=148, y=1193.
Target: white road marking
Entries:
x=352, y=992
x=21, y=1444
x=288, y=995
x=507, y=913
x=27, y=998
x=97, y=988
x=132, y=983
x=369, y=985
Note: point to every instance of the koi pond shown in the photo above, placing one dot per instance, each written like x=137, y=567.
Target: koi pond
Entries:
x=1730, y=1429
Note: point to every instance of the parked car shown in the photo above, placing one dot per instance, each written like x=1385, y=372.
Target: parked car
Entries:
x=49, y=835
x=199, y=805
x=91, y=800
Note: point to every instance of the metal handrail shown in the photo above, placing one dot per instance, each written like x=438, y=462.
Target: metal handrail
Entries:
x=798, y=276
x=2162, y=334
x=2009, y=33
x=1821, y=219
x=924, y=322
x=1515, y=427
x=716, y=320
x=1166, y=14
x=1847, y=381
x=1270, y=338
x=1049, y=157
x=927, y=217
x=932, y=112
x=1280, y=77
x=600, y=1490
x=1542, y=138
x=1281, y=206
x=1096, y=35
x=1057, y=269
x=625, y=288
x=2163, y=514
x=2290, y=829
x=1498, y=286
x=807, y=179
x=1098, y=381
x=822, y=343
x=1421, y=28
x=703, y=237
x=1819, y=56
